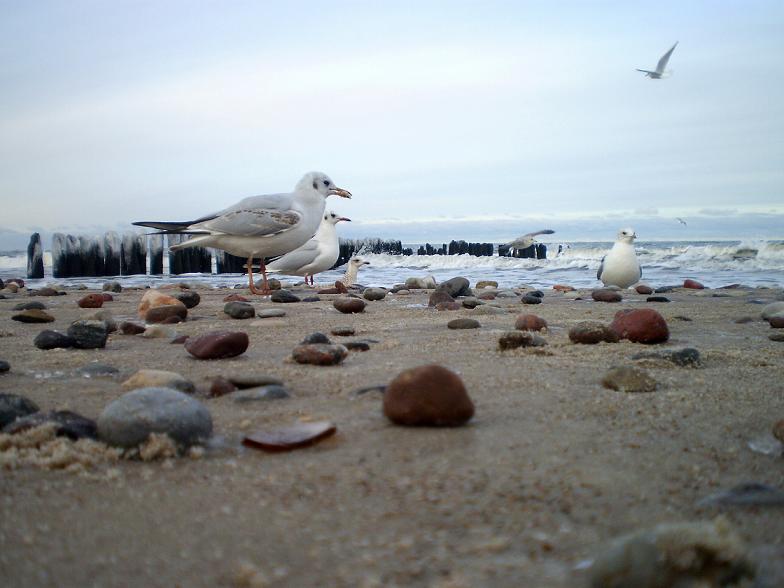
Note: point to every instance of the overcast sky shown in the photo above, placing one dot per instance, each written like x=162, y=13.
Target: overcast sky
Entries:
x=438, y=116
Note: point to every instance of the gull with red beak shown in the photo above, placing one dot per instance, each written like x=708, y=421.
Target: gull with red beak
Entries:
x=317, y=255
x=259, y=226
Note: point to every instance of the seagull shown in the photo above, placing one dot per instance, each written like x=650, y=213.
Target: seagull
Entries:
x=525, y=241
x=317, y=255
x=350, y=277
x=660, y=73
x=620, y=266
x=680, y=220
x=259, y=226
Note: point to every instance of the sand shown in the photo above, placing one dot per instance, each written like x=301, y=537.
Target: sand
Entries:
x=552, y=466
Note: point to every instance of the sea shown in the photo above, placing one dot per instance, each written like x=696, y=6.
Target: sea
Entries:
x=713, y=263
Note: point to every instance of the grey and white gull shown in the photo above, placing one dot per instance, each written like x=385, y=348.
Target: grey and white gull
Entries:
x=660, y=72
x=525, y=241
x=259, y=226
x=620, y=266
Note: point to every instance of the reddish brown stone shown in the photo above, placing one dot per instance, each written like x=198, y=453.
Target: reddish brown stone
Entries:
x=154, y=299
x=430, y=395
x=165, y=314
x=487, y=296
x=91, y=301
x=642, y=325
x=180, y=340
x=340, y=287
x=448, y=306
x=530, y=322
x=220, y=386
x=129, y=328
x=348, y=305
x=319, y=354
x=438, y=297
x=591, y=332
x=643, y=289
x=778, y=430
x=605, y=295
x=235, y=298
x=218, y=345
x=563, y=288
x=106, y=297
x=693, y=284
x=777, y=322
x=47, y=291
x=293, y=437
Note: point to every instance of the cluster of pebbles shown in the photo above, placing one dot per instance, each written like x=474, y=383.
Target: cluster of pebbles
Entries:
x=163, y=414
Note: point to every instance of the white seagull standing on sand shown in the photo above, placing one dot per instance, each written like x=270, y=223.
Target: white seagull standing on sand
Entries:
x=660, y=73
x=525, y=241
x=259, y=226
x=317, y=255
x=620, y=266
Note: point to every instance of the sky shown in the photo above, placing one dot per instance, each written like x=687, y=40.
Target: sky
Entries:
x=472, y=120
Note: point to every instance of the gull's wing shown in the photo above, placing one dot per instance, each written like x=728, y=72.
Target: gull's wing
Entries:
x=664, y=59
x=601, y=269
x=257, y=216
x=294, y=260
x=524, y=241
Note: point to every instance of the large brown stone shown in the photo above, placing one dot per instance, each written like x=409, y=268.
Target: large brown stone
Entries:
x=430, y=395
x=439, y=297
x=218, y=345
x=319, y=353
x=641, y=325
x=167, y=314
x=606, y=295
x=592, y=332
x=530, y=322
x=348, y=305
x=154, y=299
x=693, y=285
x=91, y=301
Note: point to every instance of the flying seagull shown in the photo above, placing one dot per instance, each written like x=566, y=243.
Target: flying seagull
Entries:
x=680, y=220
x=620, y=266
x=259, y=226
x=317, y=255
x=660, y=73
x=527, y=240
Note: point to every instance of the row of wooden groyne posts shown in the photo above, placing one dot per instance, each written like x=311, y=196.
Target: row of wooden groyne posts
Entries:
x=127, y=254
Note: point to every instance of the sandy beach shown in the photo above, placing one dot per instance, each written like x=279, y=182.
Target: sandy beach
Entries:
x=551, y=467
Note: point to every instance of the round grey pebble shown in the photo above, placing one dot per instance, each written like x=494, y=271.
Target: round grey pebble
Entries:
x=239, y=310
x=284, y=296
x=13, y=406
x=269, y=392
x=129, y=420
x=374, y=293
x=316, y=338
x=531, y=298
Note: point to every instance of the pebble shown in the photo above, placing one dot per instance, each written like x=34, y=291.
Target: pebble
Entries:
x=69, y=424
x=530, y=322
x=112, y=287
x=34, y=315
x=448, y=306
x=235, y=298
x=48, y=291
x=439, y=297
x=167, y=313
x=91, y=301
x=471, y=302
x=563, y=288
x=489, y=309
x=531, y=298
x=239, y=310
x=664, y=289
x=486, y=284
x=315, y=338
x=686, y=357
x=403, y=292
x=628, y=379
x=129, y=328
x=778, y=430
x=220, y=386
x=744, y=320
x=159, y=332
x=342, y=331
x=271, y=313
x=772, y=309
x=129, y=420
x=643, y=325
x=746, y=494
x=485, y=296
x=357, y=345
x=606, y=295
x=506, y=294
x=517, y=339
x=463, y=323
x=4, y=366
x=348, y=305
x=106, y=297
x=374, y=293
x=97, y=370
x=776, y=337
x=643, y=289
x=190, y=298
x=89, y=334
x=153, y=299
x=53, y=340
x=284, y=297
x=34, y=305
x=179, y=340
x=592, y=332
x=243, y=381
x=693, y=285
x=657, y=299
x=311, y=299
x=293, y=437
x=268, y=392
x=319, y=354
x=430, y=395
x=673, y=554
x=455, y=287
x=145, y=378
x=218, y=345
x=13, y=406
x=776, y=321
x=105, y=316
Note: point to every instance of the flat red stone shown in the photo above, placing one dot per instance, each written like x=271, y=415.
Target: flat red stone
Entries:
x=288, y=438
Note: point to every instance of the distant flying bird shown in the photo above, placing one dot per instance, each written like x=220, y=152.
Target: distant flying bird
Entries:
x=660, y=73
x=620, y=266
x=525, y=241
x=680, y=220
x=259, y=226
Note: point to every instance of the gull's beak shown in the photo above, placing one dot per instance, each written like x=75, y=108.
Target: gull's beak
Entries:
x=365, y=263
x=339, y=192
x=343, y=218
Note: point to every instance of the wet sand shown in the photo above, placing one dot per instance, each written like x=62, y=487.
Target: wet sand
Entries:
x=551, y=467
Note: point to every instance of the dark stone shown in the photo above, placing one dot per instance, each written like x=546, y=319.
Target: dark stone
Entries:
x=776, y=321
x=537, y=293
x=357, y=345
x=4, y=366
x=429, y=395
x=643, y=325
x=89, y=334
x=455, y=287
x=591, y=332
x=687, y=357
x=606, y=295
x=342, y=331
x=316, y=338
x=284, y=296
x=517, y=339
x=531, y=298
x=220, y=386
x=657, y=299
x=129, y=328
x=190, y=298
x=69, y=424
x=319, y=354
x=218, y=344
x=13, y=406
x=311, y=299
x=34, y=305
x=239, y=310
x=164, y=313
x=744, y=320
x=776, y=337
x=746, y=494
x=664, y=289
x=53, y=340
x=349, y=305
x=243, y=381
x=463, y=323
x=33, y=316
x=439, y=297
x=112, y=287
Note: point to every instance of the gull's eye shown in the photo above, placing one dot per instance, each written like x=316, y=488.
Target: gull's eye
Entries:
x=326, y=182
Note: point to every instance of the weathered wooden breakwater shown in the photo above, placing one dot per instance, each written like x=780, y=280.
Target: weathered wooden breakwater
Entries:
x=129, y=254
